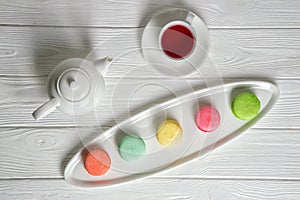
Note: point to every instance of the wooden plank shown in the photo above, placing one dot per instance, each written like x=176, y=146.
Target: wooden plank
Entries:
x=39, y=152
x=35, y=51
x=258, y=153
x=117, y=13
x=124, y=98
x=164, y=189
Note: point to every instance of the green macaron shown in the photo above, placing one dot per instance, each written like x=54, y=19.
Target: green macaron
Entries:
x=131, y=148
x=245, y=106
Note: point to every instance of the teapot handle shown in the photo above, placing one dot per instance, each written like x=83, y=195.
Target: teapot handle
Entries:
x=45, y=109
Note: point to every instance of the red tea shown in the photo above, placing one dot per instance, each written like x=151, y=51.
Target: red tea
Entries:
x=177, y=41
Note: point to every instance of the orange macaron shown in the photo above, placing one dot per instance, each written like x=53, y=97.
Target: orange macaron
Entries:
x=97, y=162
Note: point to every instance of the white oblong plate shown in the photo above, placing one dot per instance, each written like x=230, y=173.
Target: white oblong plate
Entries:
x=155, y=55
x=193, y=144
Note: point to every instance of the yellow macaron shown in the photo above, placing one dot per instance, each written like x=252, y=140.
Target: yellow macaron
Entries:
x=169, y=133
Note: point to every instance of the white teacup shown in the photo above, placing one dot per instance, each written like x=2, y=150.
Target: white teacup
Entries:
x=177, y=40
x=153, y=49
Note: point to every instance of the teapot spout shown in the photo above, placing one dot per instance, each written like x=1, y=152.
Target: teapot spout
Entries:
x=103, y=64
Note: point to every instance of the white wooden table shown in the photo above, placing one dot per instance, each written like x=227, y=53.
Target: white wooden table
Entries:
x=250, y=39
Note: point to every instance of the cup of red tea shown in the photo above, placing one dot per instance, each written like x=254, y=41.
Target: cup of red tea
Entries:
x=177, y=40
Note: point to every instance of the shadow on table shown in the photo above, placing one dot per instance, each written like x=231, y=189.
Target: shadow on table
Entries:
x=51, y=45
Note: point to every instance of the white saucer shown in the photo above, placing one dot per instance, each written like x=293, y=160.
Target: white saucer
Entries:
x=155, y=55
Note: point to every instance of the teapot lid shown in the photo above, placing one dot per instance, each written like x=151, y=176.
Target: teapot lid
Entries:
x=77, y=85
x=73, y=85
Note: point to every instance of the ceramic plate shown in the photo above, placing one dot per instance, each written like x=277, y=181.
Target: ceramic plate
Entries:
x=193, y=144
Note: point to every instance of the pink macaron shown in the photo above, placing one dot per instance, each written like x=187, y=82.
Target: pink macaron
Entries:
x=208, y=118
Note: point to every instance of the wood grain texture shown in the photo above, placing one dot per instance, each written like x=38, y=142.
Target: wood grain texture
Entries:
x=124, y=98
x=257, y=154
x=250, y=39
x=117, y=13
x=35, y=51
x=147, y=189
x=39, y=152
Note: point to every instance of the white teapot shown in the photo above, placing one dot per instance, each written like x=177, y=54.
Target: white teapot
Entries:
x=75, y=86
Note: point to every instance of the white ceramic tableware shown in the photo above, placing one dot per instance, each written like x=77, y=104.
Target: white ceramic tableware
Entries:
x=75, y=86
x=151, y=42
x=194, y=142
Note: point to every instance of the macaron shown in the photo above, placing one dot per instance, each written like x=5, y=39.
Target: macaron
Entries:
x=97, y=162
x=208, y=118
x=245, y=106
x=131, y=148
x=169, y=133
